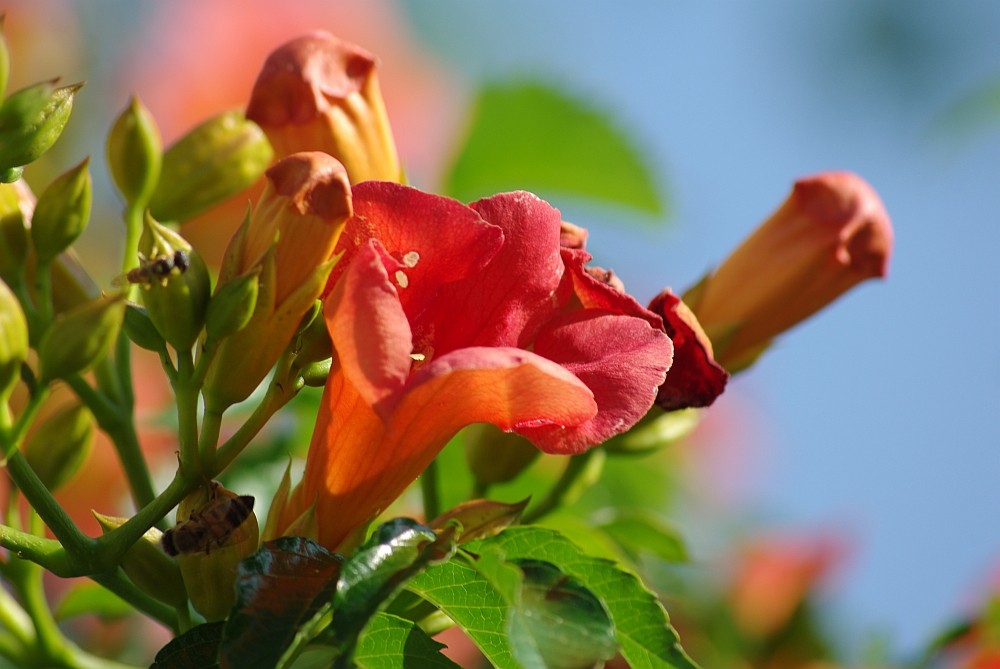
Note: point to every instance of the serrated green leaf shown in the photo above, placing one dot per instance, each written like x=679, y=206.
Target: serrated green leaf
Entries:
x=278, y=588
x=198, y=648
x=638, y=532
x=370, y=579
x=526, y=135
x=476, y=605
x=90, y=598
x=642, y=627
x=390, y=642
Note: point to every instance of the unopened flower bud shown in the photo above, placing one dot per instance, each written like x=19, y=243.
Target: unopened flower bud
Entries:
x=217, y=159
x=134, y=153
x=175, y=285
x=495, y=456
x=80, y=337
x=319, y=93
x=829, y=235
x=31, y=120
x=13, y=341
x=13, y=233
x=140, y=329
x=481, y=518
x=216, y=528
x=313, y=343
x=60, y=445
x=62, y=213
x=147, y=566
x=290, y=237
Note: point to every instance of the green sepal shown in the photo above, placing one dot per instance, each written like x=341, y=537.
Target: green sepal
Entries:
x=80, y=337
x=62, y=212
x=60, y=445
x=147, y=566
x=232, y=306
x=31, y=120
x=217, y=159
x=177, y=303
x=140, y=329
x=135, y=153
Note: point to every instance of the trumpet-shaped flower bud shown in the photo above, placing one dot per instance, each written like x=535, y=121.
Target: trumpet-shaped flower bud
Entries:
x=31, y=120
x=289, y=240
x=60, y=445
x=147, y=566
x=829, y=235
x=216, y=528
x=134, y=153
x=13, y=341
x=318, y=93
x=62, y=213
x=175, y=285
x=219, y=158
x=80, y=337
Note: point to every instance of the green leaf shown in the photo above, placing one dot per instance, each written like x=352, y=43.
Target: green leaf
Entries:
x=464, y=594
x=370, y=579
x=525, y=135
x=90, y=598
x=557, y=623
x=638, y=532
x=642, y=626
x=390, y=642
x=198, y=648
x=278, y=589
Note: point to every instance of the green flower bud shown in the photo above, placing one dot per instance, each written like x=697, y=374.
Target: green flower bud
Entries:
x=80, y=337
x=176, y=285
x=62, y=213
x=140, y=329
x=147, y=566
x=13, y=234
x=217, y=159
x=313, y=343
x=134, y=153
x=31, y=120
x=232, y=306
x=60, y=445
x=13, y=341
x=215, y=530
x=495, y=456
x=481, y=518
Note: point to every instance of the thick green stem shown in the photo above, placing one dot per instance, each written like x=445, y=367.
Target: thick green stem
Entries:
x=211, y=426
x=118, y=424
x=187, y=412
x=119, y=584
x=274, y=399
x=430, y=491
x=48, y=553
x=12, y=439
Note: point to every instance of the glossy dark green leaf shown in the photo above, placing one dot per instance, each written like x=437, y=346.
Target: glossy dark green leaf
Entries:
x=390, y=642
x=557, y=623
x=90, y=598
x=278, y=588
x=642, y=627
x=640, y=533
x=533, y=137
x=198, y=648
x=370, y=579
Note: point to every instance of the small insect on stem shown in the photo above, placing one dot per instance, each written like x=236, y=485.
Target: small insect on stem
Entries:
x=209, y=527
x=160, y=268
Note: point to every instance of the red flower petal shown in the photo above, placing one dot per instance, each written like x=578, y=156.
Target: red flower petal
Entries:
x=695, y=379
x=622, y=359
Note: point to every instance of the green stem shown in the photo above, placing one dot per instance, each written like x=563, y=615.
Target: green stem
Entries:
x=43, y=292
x=12, y=438
x=79, y=546
x=117, y=583
x=211, y=426
x=133, y=231
x=48, y=553
x=14, y=620
x=187, y=411
x=274, y=399
x=120, y=426
x=430, y=492
x=576, y=466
